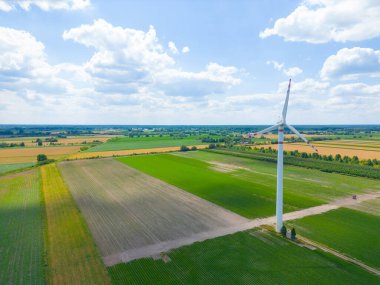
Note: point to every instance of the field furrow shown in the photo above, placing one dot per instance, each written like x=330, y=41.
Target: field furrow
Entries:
x=127, y=209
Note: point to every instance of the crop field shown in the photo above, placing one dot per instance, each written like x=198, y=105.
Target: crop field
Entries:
x=98, y=154
x=251, y=257
x=23, y=155
x=348, y=231
x=127, y=209
x=124, y=143
x=333, y=150
x=247, y=186
x=71, y=252
x=69, y=140
x=4, y=168
x=21, y=229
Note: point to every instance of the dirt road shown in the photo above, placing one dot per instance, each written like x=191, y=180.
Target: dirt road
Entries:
x=153, y=250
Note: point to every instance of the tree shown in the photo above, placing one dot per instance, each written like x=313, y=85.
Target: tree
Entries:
x=184, y=148
x=283, y=231
x=41, y=157
x=193, y=148
x=293, y=234
x=211, y=146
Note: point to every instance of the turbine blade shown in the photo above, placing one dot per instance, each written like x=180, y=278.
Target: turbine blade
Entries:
x=266, y=130
x=284, y=111
x=301, y=136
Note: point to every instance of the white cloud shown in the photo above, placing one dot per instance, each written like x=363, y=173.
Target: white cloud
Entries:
x=128, y=73
x=351, y=63
x=172, y=47
x=127, y=60
x=4, y=6
x=45, y=5
x=185, y=49
x=355, y=89
x=19, y=50
x=291, y=71
x=321, y=21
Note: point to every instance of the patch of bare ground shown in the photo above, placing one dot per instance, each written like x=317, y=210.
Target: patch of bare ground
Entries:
x=370, y=207
x=225, y=167
x=129, y=212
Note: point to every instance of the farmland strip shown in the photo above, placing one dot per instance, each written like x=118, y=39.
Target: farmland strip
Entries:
x=72, y=255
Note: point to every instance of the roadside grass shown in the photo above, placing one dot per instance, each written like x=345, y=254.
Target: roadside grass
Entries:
x=249, y=257
x=4, y=168
x=348, y=231
x=21, y=229
x=121, y=143
x=71, y=252
x=248, y=197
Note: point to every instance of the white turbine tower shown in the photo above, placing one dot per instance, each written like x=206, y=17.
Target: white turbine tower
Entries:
x=280, y=157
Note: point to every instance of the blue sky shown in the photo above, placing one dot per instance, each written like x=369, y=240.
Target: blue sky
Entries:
x=189, y=62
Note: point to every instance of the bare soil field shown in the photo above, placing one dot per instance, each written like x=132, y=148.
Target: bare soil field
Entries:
x=327, y=150
x=19, y=155
x=83, y=155
x=225, y=167
x=128, y=210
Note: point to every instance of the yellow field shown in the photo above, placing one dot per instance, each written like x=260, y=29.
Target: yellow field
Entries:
x=83, y=155
x=19, y=155
x=71, y=252
x=364, y=145
x=327, y=150
x=287, y=136
x=30, y=141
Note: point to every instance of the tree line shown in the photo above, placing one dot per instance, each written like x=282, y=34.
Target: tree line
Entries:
x=322, y=165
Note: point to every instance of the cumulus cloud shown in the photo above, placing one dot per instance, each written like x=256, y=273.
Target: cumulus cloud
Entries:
x=129, y=72
x=321, y=21
x=350, y=63
x=291, y=71
x=172, y=47
x=45, y=5
x=127, y=60
x=185, y=49
x=19, y=51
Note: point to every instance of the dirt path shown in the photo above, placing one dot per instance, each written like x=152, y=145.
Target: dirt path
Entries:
x=340, y=255
x=152, y=250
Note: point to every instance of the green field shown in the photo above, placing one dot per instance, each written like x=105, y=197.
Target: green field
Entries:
x=244, y=258
x=21, y=229
x=348, y=231
x=121, y=143
x=4, y=168
x=250, y=189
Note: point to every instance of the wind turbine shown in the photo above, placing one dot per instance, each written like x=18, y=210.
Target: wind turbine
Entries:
x=280, y=156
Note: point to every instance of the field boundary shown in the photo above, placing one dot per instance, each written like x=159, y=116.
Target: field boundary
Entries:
x=153, y=250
